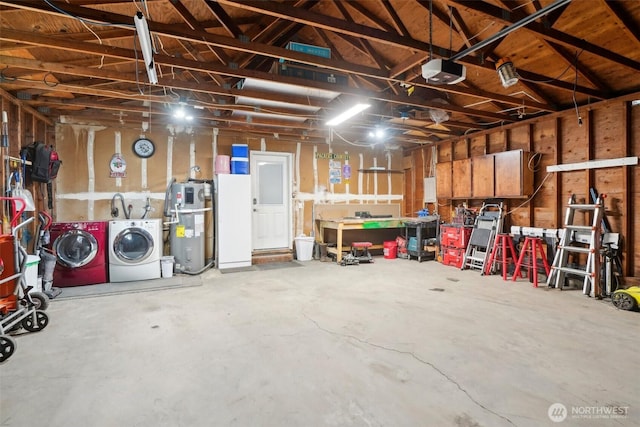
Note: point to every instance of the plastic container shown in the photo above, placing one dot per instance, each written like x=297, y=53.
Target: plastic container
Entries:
x=239, y=165
x=223, y=164
x=304, y=248
x=453, y=257
x=390, y=249
x=239, y=150
x=166, y=263
x=31, y=272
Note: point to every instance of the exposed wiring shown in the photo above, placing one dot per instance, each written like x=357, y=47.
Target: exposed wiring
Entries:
x=88, y=21
x=558, y=76
x=430, y=30
x=532, y=196
x=99, y=40
x=4, y=78
x=522, y=5
x=355, y=144
x=450, y=30
x=44, y=80
x=137, y=70
x=534, y=161
x=481, y=31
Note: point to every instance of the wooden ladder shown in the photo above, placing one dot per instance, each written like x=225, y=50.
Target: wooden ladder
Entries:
x=580, y=239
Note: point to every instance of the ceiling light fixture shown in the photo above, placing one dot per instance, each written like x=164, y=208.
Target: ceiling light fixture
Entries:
x=358, y=108
x=183, y=114
x=507, y=72
x=144, y=36
x=378, y=133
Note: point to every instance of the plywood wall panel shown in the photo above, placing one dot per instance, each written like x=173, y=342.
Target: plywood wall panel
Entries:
x=574, y=183
x=635, y=130
x=478, y=146
x=608, y=135
x=545, y=137
x=575, y=142
x=519, y=138
x=497, y=141
x=445, y=153
x=461, y=149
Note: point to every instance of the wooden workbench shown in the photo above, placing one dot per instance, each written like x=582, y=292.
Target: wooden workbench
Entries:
x=364, y=224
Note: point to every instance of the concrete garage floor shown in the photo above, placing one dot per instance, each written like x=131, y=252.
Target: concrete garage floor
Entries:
x=394, y=343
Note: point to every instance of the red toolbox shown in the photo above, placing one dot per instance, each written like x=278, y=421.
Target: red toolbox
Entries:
x=453, y=256
x=454, y=236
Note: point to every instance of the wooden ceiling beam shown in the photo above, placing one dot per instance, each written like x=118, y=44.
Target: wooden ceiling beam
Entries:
x=269, y=50
x=570, y=58
x=622, y=20
x=399, y=26
x=166, y=82
x=505, y=16
x=274, y=28
x=376, y=20
x=368, y=48
x=112, y=51
x=25, y=107
x=224, y=18
x=208, y=88
x=283, y=11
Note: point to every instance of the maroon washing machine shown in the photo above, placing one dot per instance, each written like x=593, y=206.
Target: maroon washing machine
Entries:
x=81, y=253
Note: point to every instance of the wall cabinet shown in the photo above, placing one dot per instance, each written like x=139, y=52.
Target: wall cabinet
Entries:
x=443, y=180
x=505, y=174
x=512, y=174
x=482, y=169
x=461, y=177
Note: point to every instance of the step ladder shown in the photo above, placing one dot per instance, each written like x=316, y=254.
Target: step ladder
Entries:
x=487, y=225
x=577, y=240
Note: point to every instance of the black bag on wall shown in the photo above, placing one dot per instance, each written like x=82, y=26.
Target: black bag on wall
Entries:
x=45, y=162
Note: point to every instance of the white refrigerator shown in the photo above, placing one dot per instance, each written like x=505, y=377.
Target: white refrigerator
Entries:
x=233, y=221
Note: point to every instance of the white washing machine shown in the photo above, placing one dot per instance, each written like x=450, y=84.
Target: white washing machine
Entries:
x=135, y=249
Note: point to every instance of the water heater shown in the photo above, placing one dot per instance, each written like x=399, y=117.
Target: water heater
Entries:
x=187, y=208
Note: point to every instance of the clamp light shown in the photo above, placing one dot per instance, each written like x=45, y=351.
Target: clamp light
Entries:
x=507, y=72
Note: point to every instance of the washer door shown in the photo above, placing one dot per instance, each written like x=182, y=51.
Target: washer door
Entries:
x=75, y=248
x=133, y=245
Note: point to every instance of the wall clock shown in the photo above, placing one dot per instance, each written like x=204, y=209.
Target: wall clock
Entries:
x=144, y=148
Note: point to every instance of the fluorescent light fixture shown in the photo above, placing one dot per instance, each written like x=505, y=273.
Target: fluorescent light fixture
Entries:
x=358, y=108
x=144, y=36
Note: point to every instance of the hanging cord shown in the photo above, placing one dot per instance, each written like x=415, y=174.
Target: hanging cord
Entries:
x=532, y=196
x=575, y=85
x=430, y=30
x=450, y=31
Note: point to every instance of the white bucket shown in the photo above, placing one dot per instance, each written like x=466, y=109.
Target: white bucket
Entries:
x=166, y=262
x=304, y=248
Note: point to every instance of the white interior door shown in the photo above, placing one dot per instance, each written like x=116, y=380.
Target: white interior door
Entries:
x=271, y=190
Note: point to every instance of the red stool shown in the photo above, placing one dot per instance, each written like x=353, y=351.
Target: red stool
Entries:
x=532, y=246
x=502, y=252
x=360, y=250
